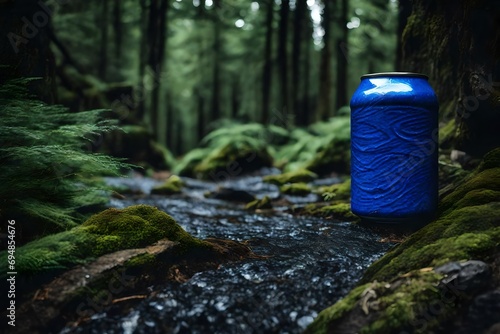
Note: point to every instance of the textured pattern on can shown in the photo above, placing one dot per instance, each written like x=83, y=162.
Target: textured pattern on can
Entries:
x=394, y=152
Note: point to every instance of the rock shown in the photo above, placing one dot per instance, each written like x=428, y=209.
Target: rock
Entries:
x=340, y=211
x=296, y=189
x=470, y=276
x=172, y=185
x=260, y=204
x=113, y=279
x=301, y=175
x=231, y=195
x=482, y=314
x=335, y=157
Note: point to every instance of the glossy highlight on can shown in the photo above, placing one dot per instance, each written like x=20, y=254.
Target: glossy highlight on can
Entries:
x=394, y=148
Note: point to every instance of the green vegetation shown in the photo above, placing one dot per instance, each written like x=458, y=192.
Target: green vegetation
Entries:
x=106, y=232
x=296, y=189
x=46, y=171
x=301, y=175
x=338, y=191
x=172, y=185
x=260, y=204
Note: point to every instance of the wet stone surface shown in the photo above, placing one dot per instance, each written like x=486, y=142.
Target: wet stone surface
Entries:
x=312, y=263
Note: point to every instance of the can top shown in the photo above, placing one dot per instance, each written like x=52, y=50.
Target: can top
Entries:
x=394, y=74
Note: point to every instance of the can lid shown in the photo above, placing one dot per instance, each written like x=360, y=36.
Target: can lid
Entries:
x=395, y=74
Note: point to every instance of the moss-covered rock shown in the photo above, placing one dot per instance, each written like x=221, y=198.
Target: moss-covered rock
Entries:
x=296, y=189
x=341, y=211
x=233, y=159
x=186, y=166
x=173, y=185
x=260, y=204
x=103, y=233
x=338, y=191
x=334, y=157
x=467, y=228
x=298, y=176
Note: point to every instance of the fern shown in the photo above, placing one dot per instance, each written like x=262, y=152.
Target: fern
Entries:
x=45, y=171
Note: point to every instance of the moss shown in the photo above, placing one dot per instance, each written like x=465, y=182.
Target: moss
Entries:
x=491, y=160
x=106, y=232
x=297, y=189
x=340, y=211
x=339, y=191
x=326, y=317
x=172, y=185
x=264, y=203
x=141, y=260
x=447, y=134
x=301, y=175
x=233, y=159
x=334, y=157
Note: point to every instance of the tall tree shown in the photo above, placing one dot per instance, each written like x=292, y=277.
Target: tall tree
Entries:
x=342, y=54
x=143, y=51
x=117, y=27
x=283, y=54
x=103, y=48
x=298, y=31
x=325, y=76
x=157, y=32
x=217, y=45
x=267, y=68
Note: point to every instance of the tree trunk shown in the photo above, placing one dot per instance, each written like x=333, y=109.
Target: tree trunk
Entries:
x=24, y=46
x=298, y=23
x=267, y=69
x=404, y=10
x=158, y=36
x=143, y=49
x=283, y=55
x=342, y=49
x=463, y=63
x=325, y=76
x=103, y=48
x=216, y=112
x=117, y=27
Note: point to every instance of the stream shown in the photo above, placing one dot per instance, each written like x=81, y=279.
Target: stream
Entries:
x=313, y=262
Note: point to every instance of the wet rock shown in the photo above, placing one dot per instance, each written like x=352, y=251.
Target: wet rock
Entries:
x=469, y=276
x=483, y=314
x=172, y=185
x=231, y=195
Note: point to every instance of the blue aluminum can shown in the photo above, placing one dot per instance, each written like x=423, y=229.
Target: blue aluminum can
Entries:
x=394, y=148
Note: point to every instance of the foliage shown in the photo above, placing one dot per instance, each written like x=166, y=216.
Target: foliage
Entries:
x=301, y=175
x=172, y=185
x=46, y=172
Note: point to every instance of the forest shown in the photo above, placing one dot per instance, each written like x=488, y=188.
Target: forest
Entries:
x=229, y=166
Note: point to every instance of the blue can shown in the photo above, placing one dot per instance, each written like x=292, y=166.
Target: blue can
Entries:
x=394, y=148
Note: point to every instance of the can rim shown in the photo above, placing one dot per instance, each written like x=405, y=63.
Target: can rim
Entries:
x=394, y=74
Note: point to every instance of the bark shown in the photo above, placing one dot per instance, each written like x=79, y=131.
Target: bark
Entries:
x=283, y=55
x=342, y=56
x=140, y=96
x=325, y=79
x=117, y=27
x=217, y=24
x=458, y=45
x=267, y=69
x=298, y=23
x=103, y=48
x=404, y=10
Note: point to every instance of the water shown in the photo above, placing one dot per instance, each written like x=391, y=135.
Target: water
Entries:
x=313, y=262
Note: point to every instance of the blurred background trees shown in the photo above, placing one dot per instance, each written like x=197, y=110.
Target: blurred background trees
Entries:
x=180, y=67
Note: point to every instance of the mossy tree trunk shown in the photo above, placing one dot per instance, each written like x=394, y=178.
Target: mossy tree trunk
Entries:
x=458, y=45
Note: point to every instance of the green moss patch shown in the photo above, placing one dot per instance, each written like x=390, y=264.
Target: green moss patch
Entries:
x=262, y=204
x=106, y=232
x=296, y=189
x=172, y=185
x=301, y=175
x=339, y=191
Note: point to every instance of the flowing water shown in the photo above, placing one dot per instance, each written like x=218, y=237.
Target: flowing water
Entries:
x=313, y=262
